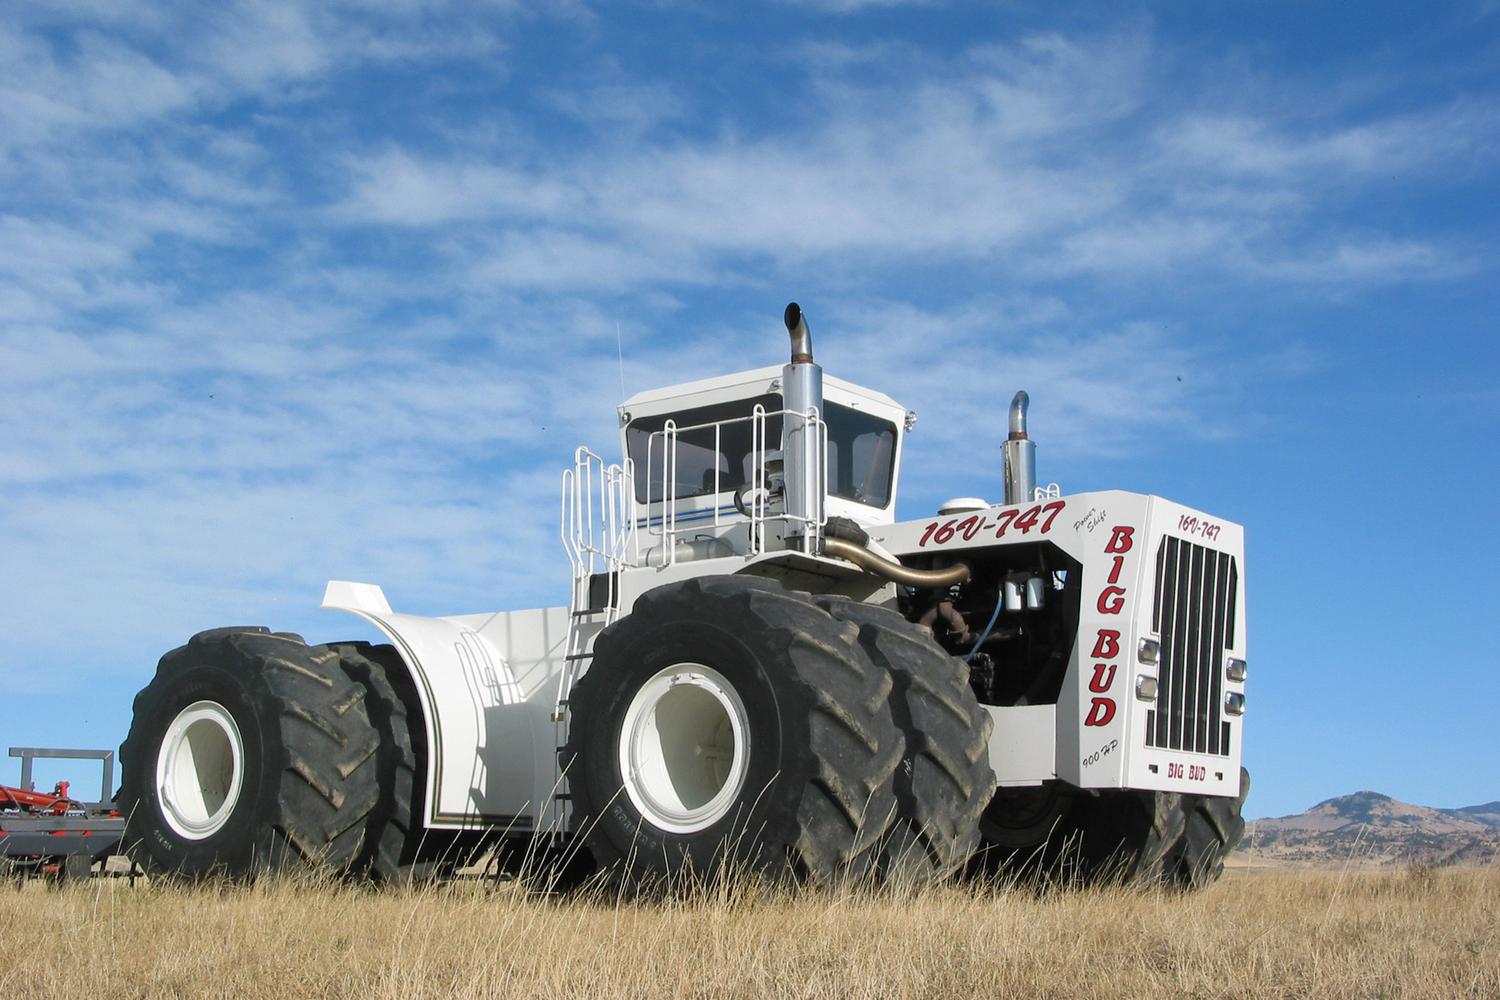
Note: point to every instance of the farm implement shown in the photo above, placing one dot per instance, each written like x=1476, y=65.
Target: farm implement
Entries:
x=53, y=833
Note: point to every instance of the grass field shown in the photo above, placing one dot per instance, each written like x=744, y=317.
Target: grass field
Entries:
x=1413, y=933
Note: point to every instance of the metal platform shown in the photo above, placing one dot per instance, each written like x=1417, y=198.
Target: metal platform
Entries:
x=62, y=828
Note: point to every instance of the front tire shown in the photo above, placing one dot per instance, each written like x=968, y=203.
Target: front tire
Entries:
x=729, y=723
x=945, y=779
x=1214, y=826
x=1057, y=831
x=247, y=752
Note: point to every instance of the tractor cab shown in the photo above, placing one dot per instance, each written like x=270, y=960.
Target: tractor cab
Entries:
x=708, y=457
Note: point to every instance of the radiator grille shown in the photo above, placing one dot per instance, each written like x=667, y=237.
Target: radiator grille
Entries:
x=1194, y=615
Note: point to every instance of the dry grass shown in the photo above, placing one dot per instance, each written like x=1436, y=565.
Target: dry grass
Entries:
x=1418, y=933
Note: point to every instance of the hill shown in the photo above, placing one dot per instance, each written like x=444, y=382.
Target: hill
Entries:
x=1371, y=828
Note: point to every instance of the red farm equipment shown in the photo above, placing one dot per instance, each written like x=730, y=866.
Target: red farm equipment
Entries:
x=53, y=833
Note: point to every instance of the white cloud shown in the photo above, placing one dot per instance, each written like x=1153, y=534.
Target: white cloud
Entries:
x=1238, y=145
x=1374, y=258
x=1015, y=163
x=402, y=189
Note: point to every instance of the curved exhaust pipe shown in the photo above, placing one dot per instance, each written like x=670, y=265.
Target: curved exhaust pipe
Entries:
x=893, y=571
x=796, y=325
x=1018, y=405
x=1020, y=454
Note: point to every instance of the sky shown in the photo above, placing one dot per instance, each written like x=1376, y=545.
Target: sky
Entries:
x=293, y=291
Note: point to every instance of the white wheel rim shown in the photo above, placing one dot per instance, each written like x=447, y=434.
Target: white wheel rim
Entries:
x=685, y=748
x=200, y=769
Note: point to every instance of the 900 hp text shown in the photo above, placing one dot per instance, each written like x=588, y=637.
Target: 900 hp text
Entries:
x=971, y=527
x=1101, y=753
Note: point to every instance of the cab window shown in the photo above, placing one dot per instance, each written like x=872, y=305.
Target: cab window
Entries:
x=861, y=451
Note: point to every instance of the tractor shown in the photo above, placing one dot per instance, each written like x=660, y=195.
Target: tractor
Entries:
x=760, y=669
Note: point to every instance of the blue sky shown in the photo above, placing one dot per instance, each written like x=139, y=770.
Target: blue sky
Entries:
x=292, y=291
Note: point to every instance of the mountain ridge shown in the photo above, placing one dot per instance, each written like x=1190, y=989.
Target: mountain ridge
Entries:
x=1371, y=828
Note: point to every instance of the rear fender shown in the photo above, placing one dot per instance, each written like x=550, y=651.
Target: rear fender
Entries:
x=486, y=715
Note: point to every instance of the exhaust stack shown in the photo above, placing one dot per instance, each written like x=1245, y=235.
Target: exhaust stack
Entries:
x=1020, y=455
x=802, y=386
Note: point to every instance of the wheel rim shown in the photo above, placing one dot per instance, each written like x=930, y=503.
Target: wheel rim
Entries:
x=200, y=769
x=685, y=748
x=1025, y=817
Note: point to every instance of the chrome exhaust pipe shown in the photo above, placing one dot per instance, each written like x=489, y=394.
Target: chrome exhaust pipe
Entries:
x=802, y=442
x=1020, y=455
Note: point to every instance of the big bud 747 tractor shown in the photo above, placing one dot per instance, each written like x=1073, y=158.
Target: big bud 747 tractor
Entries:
x=760, y=667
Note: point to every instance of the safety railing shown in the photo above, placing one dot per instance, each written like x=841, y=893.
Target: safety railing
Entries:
x=761, y=494
x=598, y=519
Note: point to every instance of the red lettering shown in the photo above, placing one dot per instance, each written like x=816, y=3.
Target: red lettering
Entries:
x=1120, y=539
x=1107, y=646
x=1102, y=681
x=1028, y=519
x=1100, y=712
x=1055, y=507
x=1111, y=600
x=1114, y=573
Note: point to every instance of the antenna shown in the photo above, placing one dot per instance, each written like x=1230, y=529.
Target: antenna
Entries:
x=620, y=347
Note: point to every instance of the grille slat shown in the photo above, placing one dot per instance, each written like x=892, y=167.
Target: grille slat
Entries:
x=1223, y=639
x=1196, y=588
x=1211, y=639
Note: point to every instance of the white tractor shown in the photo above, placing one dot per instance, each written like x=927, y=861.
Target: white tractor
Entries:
x=760, y=667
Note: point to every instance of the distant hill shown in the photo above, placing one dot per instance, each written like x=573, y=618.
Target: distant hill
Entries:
x=1368, y=828
x=1487, y=813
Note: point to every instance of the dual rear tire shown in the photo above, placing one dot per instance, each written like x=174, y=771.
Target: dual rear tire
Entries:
x=252, y=752
x=728, y=724
x=1074, y=836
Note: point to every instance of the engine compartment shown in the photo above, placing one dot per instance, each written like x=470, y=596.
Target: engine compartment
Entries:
x=1014, y=621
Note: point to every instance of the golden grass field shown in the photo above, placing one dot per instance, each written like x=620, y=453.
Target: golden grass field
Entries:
x=1279, y=933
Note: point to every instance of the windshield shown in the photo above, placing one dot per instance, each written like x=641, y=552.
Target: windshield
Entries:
x=861, y=451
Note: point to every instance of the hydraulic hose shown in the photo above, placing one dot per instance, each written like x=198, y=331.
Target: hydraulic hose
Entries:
x=894, y=571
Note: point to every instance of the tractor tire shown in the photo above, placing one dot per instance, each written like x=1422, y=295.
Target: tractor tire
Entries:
x=1018, y=824
x=391, y=835
x=1213, y=829
x=945, y=780
x=249, y=752
x=1128, y=837
x=728, y=725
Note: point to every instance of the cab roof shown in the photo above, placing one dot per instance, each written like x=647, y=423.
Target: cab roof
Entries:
x=747, y=385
